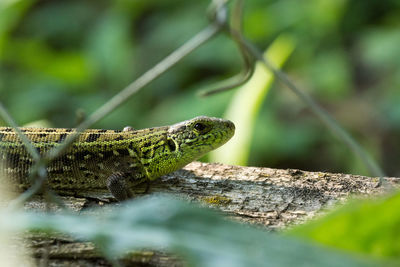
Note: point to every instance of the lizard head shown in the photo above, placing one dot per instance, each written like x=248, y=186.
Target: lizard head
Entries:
x=187, y=141
x=194, y=138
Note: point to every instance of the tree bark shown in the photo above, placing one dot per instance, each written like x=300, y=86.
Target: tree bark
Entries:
x=273, y=198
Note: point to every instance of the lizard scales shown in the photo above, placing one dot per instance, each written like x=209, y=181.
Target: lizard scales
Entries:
x=116, y=159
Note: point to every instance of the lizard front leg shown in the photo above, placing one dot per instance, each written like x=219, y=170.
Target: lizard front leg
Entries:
x=116, y=184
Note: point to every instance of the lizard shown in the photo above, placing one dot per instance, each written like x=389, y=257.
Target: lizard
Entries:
x=113, y=159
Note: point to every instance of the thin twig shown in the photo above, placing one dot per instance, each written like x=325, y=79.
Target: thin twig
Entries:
x=39, y=175
x=248, y=61
x=138, y=84
x=369, y=162
x=120, y=98
x=10, y=121
x=250, y=51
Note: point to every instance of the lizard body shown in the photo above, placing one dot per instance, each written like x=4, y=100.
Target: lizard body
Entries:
x=114, y=159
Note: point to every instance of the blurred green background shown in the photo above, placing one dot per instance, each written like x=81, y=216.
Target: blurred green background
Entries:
x=61, y=57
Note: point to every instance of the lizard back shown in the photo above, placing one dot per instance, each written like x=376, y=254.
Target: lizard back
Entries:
x=87, y=163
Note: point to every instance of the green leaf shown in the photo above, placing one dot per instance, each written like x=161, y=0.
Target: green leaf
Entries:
x=370, y=227
x=11, y=11
x=245, y=105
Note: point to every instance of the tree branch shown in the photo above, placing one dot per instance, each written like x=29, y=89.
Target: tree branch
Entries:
x=272, y=198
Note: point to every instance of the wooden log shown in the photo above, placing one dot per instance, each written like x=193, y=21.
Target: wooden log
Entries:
x=273, y=198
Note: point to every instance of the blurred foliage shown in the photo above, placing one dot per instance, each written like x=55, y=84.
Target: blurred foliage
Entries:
x=252, y=96
x=62, y=59
x=370, y=227
x=202, y=237
x=57, y=57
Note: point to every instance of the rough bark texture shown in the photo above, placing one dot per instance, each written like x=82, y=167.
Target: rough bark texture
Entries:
x=272, y=198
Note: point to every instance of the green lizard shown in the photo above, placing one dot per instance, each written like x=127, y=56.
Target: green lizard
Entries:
x=117, y=160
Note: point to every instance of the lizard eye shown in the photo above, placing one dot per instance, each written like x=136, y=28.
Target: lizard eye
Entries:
x=201, y=127
x=171, y=145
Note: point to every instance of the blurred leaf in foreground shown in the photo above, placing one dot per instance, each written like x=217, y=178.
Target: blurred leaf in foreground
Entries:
x=202, y=237
x=9, y=256
x=371, y=227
